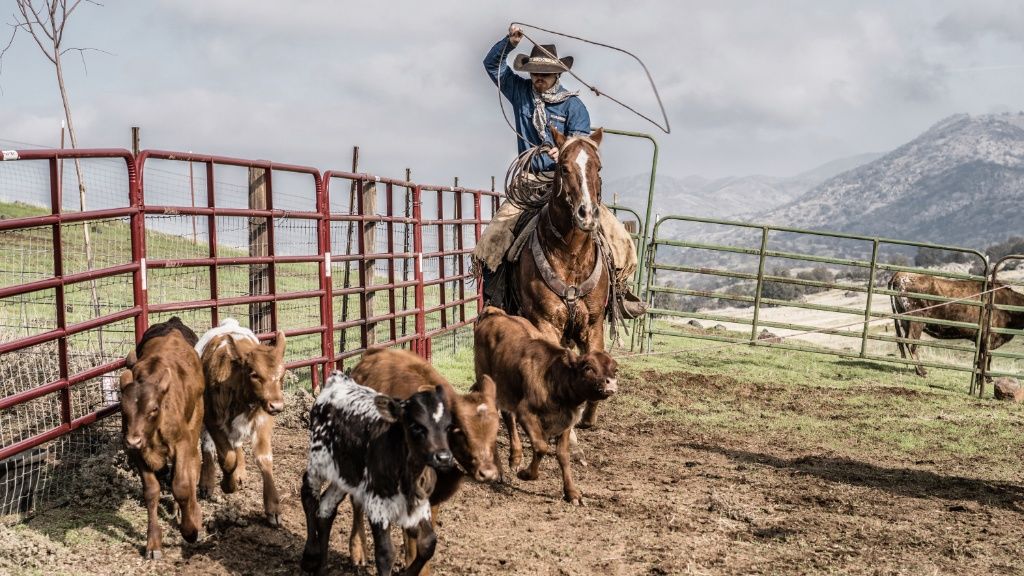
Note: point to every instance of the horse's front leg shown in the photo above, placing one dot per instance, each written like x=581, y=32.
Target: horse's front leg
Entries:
x=591, y=339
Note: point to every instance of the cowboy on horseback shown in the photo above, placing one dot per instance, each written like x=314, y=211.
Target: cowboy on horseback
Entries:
x=539, y=104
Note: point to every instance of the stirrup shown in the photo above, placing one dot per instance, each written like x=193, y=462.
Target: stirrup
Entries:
x=630, y=305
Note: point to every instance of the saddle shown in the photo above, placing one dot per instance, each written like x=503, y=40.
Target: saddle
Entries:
x=500, y=290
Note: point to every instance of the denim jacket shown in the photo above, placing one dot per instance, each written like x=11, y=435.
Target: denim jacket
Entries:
x=569, y=117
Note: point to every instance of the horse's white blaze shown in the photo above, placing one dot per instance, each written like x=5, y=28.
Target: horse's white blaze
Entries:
x=581, y=161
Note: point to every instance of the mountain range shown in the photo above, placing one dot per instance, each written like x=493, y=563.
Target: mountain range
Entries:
x=724, y=197
x=961, y=182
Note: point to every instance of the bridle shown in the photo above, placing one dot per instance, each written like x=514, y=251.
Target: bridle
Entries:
x=570, y=294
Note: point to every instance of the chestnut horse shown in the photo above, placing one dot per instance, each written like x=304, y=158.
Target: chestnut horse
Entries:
x=562, y=279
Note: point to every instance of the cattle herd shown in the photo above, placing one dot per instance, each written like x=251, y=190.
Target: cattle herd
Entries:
x=393, y=433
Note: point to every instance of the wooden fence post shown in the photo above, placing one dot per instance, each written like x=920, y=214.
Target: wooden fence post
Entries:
x=369, y=204
x=259, y=274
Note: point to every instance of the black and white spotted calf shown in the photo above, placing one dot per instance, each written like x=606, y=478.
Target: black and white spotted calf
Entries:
x=381, y=451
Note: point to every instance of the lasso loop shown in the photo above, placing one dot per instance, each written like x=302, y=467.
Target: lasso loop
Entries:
x=525, y=189
x=666, y=128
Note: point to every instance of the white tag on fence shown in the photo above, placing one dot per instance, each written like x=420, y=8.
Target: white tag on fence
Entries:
x=327, y=264
x=10, y=154
x=142, y=272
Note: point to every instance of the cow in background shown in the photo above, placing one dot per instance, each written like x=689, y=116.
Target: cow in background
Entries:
x=400, y=374
x=384, y=453
x=161, y=419
x=906, y=284
x=243, y=393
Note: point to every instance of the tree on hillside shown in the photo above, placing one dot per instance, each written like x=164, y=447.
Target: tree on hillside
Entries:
x=45, y=21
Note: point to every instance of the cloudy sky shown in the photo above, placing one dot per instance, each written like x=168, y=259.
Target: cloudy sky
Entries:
x=749, y=87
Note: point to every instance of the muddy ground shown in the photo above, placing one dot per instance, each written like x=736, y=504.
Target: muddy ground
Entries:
x=660, y=499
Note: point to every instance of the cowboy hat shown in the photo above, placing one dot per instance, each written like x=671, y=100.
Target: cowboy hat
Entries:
x=540, y=61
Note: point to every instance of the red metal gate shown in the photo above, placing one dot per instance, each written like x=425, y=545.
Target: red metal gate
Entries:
x=338, y=261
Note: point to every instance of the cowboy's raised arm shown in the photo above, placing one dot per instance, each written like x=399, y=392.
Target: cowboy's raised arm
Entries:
x=496, y=63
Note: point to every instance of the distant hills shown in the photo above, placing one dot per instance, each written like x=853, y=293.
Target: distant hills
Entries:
x=724, y=197
x=961, y=182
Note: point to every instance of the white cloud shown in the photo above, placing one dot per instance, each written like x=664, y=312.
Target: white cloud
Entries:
x=749, y=86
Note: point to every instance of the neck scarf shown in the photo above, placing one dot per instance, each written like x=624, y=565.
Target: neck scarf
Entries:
x=553, y=95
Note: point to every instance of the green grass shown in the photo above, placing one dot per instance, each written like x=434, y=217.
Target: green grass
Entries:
x=821, y=402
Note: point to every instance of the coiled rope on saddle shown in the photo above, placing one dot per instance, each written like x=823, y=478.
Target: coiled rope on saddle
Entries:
x=525, y=189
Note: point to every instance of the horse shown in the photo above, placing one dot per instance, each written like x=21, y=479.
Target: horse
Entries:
x=563, y=278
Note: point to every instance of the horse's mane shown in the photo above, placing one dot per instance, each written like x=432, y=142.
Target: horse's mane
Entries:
x=573, y=139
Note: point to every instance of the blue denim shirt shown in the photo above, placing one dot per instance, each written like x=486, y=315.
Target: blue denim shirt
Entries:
x=569, y=117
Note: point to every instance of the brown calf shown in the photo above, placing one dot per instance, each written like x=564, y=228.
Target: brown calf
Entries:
x=401, y=374
x=243, y=392
x=541, y=385
x=161, y=417
x=905, y=303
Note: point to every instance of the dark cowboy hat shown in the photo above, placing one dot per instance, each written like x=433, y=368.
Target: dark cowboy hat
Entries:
x=540, y=61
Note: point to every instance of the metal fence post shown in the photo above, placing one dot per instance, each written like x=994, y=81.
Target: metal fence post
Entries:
x=423, y=344
x=984, y=326
x=477, y=231
x=138, y=239
x=58, y=271
x=871, y=293
x=326, y=282
x=760, y=283
x=984, y=334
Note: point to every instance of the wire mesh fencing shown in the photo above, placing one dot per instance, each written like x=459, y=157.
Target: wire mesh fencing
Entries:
x=97, y=245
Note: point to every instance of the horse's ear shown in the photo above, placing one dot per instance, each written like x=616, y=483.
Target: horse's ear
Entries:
x=597, y=135
x=558, y=137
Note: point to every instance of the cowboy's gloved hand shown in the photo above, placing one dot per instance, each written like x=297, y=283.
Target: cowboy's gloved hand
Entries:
x=553, y=152
x=515, y=34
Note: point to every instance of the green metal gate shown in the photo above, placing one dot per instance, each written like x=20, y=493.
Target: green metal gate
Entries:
x=1009, y=359
x=744, y=265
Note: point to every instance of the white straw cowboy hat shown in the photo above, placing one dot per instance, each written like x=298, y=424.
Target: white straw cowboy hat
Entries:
x=540, y=61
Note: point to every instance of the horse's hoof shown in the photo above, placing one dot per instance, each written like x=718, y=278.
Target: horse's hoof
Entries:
x=574, y=499
x=526, y=475
x=274, y=520
x=310, y=563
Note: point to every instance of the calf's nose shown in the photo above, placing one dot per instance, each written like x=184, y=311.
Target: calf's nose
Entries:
x=133, y=442
x=487, y=473
x=442, y=459
x=275, y=407
x=611, y=386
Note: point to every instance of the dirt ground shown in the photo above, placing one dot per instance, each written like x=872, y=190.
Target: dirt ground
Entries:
x=660, y=499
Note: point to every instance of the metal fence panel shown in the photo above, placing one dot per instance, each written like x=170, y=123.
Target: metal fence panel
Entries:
x=796, y=289
x=205, y=238
x=1005, y=360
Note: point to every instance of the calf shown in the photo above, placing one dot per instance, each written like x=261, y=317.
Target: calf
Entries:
x=541, y=385
x=243, y=393
x=400, y=374
x=161, y=417
x=383, y=452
